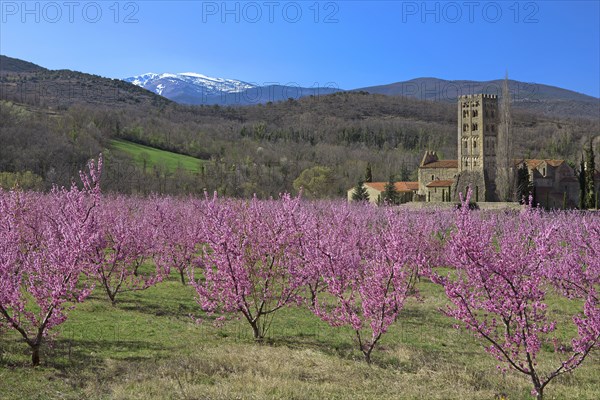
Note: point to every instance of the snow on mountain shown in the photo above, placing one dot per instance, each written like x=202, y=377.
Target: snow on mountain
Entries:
x=140, y=80
x=188, y=84
x=199, y=89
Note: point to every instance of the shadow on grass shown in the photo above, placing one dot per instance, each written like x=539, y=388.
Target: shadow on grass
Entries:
x=344, y=349
x=350, y=351
x=84, y=354
x=180, y=310
x=412, y=335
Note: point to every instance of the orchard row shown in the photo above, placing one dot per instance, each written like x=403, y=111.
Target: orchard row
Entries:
x=351, y=264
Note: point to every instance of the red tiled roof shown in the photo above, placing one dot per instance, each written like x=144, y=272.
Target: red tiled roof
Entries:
x=411, y=185
x=403, y=187
x=535, y=162
x=440, y=183
x=442, y=164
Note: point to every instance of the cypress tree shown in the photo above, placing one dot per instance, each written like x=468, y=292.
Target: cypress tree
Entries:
x=368, y=173
x=590, y=169
x=505, y=180
x=390, y=194
x=360, y=192
x=582, y=186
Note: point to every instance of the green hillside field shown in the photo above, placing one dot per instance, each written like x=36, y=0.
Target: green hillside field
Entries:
x=153, y=156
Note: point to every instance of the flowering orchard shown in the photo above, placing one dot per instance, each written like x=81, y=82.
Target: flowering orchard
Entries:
x=351, y=265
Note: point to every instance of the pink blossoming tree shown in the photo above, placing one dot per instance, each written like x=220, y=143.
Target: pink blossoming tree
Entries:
x=44, y=240
x=368, y=262
x=505, y=268
x=126, y=241
x=179, y=234
x=249, y=259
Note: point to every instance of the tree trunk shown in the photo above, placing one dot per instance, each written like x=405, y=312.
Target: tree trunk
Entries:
x=35, y=355
x=540, y=394
x=256, y=331
x=112, y=297
x=182, y=276
x=537, y=385
x=367, y=356
x=313, y=296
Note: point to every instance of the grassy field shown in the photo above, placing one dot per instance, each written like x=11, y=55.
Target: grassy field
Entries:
x=147, y=347
x=156, y=157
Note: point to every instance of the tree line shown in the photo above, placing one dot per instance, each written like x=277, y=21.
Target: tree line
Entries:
x=260, y=149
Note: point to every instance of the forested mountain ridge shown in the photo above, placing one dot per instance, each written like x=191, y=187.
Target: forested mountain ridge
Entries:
x=14, y=65
x=535, y=97
x=24, y=82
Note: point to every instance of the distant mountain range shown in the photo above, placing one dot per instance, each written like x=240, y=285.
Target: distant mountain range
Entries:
x=197, y=89
x=194, y=88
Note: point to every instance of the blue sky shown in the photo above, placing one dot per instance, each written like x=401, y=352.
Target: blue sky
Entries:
x=349, y=44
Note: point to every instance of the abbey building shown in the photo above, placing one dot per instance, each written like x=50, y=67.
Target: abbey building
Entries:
x=554, y=182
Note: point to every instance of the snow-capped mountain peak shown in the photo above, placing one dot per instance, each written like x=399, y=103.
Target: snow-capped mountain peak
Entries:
x=188, y=84
x=195, y=88
x=140, y=80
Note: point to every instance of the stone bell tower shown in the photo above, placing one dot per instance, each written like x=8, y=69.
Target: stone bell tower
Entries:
x=478, y=119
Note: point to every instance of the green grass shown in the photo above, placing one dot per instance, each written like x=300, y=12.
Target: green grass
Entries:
x=147, y=347
x=156, y=157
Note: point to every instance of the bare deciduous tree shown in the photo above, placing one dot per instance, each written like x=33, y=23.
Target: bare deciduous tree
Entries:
x=505, y=179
